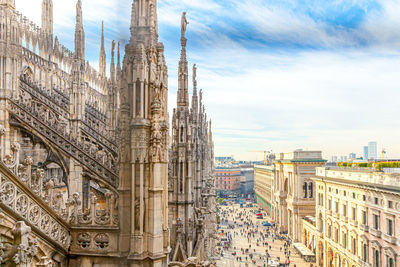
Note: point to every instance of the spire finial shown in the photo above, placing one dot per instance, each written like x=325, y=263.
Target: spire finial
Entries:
x=112, y=65
x=102, y=56
x=118, y=63
x=184, y=24
x=79, y=12
x=79, y=33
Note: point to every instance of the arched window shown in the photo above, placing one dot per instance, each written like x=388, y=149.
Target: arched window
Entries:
x=138, y=97
x=181, y=134
x=391, y=262
x=310, y=190
x=365, y=252
x=305, y=190
x=376, y=258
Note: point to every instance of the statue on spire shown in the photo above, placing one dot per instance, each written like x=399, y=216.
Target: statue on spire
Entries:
x=194, y=73
x=184, y=24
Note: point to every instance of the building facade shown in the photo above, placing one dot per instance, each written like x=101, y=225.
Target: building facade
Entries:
x=247, y=181
x=357, y=218
x=84, y=156
x=228, y=179
x=365, y=153
x=293, y=189
x=372, y=150
x=264, y=176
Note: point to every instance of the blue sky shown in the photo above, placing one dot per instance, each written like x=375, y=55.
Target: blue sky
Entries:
x=277, y=75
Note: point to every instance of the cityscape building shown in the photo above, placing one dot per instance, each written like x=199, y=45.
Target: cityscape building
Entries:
x=227, y=180
x=247, y=181
x=372, y=150
x=292, y=193
x=365, y=153
x=294, y=190
x=356, y=219
x=264, y=177
x=84, y=157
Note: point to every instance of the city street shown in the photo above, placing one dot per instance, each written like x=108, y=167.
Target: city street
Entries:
x=244, y=241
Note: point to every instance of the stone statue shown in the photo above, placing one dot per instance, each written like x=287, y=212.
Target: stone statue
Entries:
x=194, y=72
x=184, y=24
x=112, y=48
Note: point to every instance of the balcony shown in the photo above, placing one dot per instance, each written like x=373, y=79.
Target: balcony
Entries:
x=329, y=212
x=391, y=239
x=364, y=227
x=375, y=232
x=353, y=222
x=344, y=218
x=336, y=215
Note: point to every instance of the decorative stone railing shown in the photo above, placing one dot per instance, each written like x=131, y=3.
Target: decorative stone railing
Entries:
x=54, y=102
x=71, y=211
x=58, y=102
x=93, y=216
x=23, y=248
x=95, y=113
x=15, y=196
x=110, y=143
x=90, y=157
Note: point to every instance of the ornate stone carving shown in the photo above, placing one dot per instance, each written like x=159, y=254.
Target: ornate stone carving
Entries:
x=22, y=250
x=84, y=240
x=101, y=240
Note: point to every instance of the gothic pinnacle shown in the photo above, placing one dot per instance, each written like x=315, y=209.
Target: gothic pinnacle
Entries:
x=102, y=57
x=79, y=33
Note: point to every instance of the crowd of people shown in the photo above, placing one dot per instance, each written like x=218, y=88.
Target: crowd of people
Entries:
x=245, y=241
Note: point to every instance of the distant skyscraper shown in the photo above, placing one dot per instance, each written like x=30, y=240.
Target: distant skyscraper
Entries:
x=352, y=156
x=334, y=158
x=365, y=153
x=372, y=150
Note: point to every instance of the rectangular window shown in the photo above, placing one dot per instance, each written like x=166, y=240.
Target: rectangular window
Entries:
x=376, y=222
x=390, y=227
x=336, y=235
x=337, y=207
x=364, y=198
x=390, y=204
x=344, y=210
x=354, y=246
x=330, y=204
x=365, y=253
x=354, y=214
x=376, y=201
x=364, y=218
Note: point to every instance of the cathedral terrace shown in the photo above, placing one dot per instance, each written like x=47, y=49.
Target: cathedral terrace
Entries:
x=89, y=174
x=197, y=133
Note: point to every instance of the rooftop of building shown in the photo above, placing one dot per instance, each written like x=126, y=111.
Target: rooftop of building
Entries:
x=269, y=167
x=300, y=155
x=361, y=176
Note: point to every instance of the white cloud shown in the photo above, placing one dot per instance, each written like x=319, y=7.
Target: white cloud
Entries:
x=335, y=100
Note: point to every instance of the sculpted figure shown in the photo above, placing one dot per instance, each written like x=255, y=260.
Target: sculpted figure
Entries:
x=112, y=47
x=184, y=24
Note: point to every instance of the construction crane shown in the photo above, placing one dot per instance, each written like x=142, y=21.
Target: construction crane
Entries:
x=262, y=151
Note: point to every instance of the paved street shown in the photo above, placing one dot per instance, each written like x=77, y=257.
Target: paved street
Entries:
x=245, y=242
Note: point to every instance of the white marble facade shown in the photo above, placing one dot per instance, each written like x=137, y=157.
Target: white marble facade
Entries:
x=84, y=156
